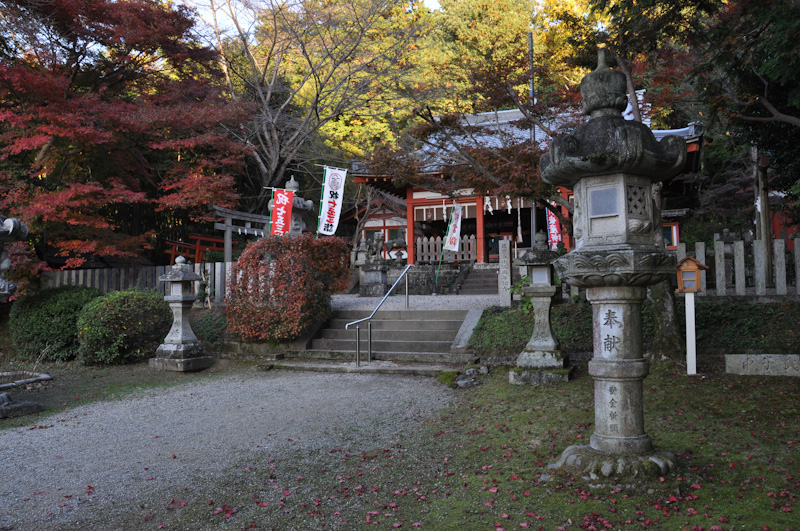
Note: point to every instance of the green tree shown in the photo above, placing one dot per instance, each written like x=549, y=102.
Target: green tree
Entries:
x=321, y=75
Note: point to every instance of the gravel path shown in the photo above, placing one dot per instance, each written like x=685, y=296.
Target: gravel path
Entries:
x=87, y=468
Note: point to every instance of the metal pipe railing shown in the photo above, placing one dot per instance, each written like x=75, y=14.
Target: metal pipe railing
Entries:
x=369, y=322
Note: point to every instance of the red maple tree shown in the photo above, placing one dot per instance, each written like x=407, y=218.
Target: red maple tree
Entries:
x=112, y=124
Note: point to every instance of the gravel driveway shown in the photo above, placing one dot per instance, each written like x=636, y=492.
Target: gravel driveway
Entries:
x=93, y=466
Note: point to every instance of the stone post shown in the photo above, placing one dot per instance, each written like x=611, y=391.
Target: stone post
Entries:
x=614, y=167
x=738, y=267
x=505, y=273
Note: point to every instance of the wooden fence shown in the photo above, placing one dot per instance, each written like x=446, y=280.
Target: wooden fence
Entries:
x=748, y=268
x=736, y=268
x=428, y=250
x=140, y=278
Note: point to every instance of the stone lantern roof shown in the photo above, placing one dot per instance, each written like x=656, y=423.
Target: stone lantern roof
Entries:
x=608, y=143
x=180, y=272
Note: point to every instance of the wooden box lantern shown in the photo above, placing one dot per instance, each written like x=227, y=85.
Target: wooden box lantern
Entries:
x=689, y=275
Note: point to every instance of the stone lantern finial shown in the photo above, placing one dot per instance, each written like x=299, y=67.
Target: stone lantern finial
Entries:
x=292, y=185
x=604, y=90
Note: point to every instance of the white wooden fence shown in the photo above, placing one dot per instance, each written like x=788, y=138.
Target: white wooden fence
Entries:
x=428, y=250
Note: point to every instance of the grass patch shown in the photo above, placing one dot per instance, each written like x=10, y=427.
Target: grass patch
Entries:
x=447, y=377
x=722, y=328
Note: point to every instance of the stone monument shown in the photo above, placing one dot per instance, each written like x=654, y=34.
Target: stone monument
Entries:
x=11, y=230
x=541, y=361
x=614, y=167
x=181, y=350
x=373, y=275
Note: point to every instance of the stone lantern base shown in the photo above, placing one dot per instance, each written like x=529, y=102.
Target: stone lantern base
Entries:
x=603, y=469
x=373, y=280
x=520, y=376
x=187, y=357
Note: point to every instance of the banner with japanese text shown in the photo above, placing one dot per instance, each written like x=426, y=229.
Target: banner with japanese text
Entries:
x=454, y=229
x=331, y=203
x=281, y=215
x=553, y=230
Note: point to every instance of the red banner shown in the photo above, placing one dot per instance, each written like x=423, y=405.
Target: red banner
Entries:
x=553, y=230
x=281, y=218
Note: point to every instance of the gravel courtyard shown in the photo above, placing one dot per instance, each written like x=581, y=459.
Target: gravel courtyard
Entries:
x=109, y=465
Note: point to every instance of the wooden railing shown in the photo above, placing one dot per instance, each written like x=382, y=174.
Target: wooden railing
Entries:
x=736, y=269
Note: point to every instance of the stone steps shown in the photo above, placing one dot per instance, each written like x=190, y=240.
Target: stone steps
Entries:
x=402, y=336
x=480, y=282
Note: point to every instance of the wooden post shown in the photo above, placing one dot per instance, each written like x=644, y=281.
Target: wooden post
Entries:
x=228, y=252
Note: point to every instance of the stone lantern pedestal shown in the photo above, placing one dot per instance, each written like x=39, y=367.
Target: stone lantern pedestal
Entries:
x=614, y=167
x=541, y=361
x=181, y=350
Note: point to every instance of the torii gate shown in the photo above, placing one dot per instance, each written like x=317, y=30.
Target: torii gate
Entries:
x=243, y=223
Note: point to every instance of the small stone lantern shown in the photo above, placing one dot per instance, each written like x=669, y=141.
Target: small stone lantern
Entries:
x=181, y=350
x=541, y=361
x=689, y=270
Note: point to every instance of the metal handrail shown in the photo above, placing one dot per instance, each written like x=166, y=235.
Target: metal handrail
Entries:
x=369, y=322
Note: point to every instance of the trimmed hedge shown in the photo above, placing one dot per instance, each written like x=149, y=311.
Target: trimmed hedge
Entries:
x=123, y=327
x=44, y=323
x=281, y=285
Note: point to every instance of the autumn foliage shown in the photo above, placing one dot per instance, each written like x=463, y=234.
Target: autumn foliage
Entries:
x=111, y=114
x=283, y=284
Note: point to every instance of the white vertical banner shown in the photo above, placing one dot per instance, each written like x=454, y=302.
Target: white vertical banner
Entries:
x=331, y=203
x=454, y=229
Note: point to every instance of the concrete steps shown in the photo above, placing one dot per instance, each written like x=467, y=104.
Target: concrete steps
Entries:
x=480, y=281
x=402, y=336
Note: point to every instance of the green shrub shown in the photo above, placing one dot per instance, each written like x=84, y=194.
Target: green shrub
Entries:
x=210, y=327
x=502, y=331
x=44, y=323
x=123, y=327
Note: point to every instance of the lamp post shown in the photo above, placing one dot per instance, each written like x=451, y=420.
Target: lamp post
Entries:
x=181, y=350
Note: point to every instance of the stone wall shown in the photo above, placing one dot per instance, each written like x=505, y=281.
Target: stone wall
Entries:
x=420, y=279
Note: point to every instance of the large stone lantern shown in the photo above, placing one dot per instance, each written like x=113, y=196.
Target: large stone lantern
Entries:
x=614, y=167
x=181, y=350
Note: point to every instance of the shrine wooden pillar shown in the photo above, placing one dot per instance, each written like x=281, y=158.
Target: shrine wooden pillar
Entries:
x=411, y=239
x=482, y=249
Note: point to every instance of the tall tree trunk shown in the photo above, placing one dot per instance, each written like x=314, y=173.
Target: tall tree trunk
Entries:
x=668, y=341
